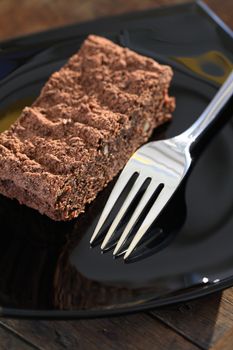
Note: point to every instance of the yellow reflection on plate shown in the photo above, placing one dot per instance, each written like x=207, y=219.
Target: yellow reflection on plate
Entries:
x=9, y=115
x=212, y=65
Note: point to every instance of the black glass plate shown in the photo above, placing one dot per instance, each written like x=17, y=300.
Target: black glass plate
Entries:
x=47, y=268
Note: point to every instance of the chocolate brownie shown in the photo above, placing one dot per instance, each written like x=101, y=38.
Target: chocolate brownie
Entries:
x=90, y=117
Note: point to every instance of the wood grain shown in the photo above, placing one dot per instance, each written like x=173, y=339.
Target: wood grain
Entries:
x=201, y=324
x=225, y=343
x=139, y=332
x=10, y=341
x=34, y=15
x=203, y=321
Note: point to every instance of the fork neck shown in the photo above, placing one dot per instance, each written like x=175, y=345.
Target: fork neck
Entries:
x=222, y=100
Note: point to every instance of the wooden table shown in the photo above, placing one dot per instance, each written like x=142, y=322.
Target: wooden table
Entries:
x=201, y=324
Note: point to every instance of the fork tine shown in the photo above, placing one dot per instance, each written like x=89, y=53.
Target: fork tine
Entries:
x=155, y=210
x=132, y=194
x=117, y=189
x=141, y=205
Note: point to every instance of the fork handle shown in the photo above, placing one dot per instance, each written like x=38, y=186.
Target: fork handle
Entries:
x=214, y=110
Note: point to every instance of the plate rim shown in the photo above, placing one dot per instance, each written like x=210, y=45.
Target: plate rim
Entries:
x=90, y=314
x=170, y=299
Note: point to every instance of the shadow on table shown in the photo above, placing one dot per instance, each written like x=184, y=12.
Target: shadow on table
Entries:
x=200, y=320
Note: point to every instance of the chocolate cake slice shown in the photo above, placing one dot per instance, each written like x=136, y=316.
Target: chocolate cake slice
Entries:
x=90, y=117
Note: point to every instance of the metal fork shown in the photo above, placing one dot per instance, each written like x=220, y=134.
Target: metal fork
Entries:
x=163, y=162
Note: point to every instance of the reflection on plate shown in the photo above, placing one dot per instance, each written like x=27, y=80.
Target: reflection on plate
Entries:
x=47, y=268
